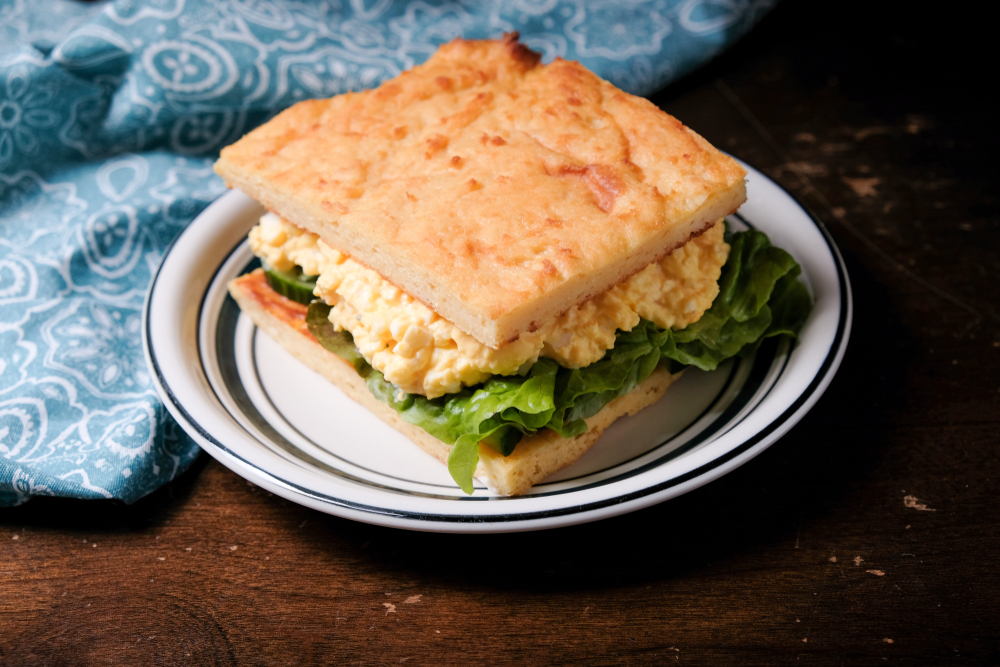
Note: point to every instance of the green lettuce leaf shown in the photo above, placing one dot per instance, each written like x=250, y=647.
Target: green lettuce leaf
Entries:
x=341, y=343
x=760, y=296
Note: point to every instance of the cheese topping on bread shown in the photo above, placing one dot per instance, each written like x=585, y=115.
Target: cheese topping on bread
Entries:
x=422, y=352
x=499, y=191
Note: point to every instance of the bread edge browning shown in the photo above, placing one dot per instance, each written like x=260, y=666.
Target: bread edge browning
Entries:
x=535, y=458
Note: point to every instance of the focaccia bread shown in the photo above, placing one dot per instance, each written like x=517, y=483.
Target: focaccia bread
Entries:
x=497, y=191
x=535, y=458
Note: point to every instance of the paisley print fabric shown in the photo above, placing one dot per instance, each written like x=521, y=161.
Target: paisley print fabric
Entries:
x=110, y=116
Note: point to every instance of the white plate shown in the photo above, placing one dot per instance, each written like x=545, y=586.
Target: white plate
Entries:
x=270, y=419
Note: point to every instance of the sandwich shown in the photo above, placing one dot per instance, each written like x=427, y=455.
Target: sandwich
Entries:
x=500, y=258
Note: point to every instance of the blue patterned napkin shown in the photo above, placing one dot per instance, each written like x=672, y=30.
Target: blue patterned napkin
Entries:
x=110, y=117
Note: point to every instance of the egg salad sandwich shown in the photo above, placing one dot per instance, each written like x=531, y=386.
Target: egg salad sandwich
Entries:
x=500, y=258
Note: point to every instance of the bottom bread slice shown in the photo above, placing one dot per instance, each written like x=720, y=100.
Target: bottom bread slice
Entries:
x=535, y=457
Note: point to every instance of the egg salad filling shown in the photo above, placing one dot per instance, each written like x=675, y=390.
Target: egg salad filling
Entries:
x=423, y=353
x=718, y=297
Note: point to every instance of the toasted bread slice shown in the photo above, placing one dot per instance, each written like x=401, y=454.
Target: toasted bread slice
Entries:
x=497, y=191
x=534, y=458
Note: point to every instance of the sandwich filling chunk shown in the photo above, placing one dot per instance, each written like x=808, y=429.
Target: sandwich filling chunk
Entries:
x=423, y=353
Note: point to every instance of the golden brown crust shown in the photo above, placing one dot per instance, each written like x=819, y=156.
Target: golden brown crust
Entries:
x=534, y=458
x=497, y=191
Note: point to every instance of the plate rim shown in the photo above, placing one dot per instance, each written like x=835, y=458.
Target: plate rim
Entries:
x=528, y=519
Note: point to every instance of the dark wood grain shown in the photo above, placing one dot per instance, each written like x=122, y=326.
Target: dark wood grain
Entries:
x=867, y=535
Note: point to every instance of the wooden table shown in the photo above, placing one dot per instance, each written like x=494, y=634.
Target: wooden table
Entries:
x=867, y=535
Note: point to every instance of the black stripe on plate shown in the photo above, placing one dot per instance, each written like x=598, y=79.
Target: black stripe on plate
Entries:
x=225, y=335
x=224, y=354
x=818, y=379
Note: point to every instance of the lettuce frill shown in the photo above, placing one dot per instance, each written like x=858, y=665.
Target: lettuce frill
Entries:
x=759, y=296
